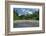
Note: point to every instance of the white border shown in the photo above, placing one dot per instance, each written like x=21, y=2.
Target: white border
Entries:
x=29, y=28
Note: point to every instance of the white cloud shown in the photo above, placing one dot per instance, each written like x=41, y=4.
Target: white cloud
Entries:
x=30, y=12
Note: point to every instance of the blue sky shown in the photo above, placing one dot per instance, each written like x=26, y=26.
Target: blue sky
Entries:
x=23, y=11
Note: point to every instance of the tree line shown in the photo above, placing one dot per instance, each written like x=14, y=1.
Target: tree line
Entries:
x=34, y=16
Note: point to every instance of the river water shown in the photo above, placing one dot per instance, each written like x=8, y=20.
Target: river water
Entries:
x=26, y=24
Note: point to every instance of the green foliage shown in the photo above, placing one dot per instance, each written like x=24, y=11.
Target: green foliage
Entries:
x=34, y=16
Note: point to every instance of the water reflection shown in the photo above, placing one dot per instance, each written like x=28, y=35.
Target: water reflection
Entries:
x=26, y=24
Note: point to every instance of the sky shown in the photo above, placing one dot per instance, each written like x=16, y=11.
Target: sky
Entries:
x=24, y=11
